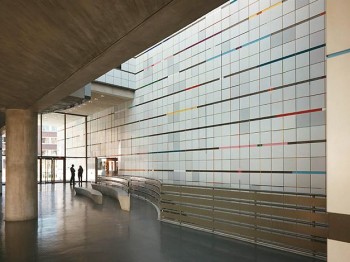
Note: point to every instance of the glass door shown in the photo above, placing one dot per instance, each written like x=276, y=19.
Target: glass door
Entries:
x=112, y=166
x=106, y=166
x=58, y=163
x=52, y=170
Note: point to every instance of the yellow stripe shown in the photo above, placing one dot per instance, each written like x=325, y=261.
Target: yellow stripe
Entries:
x=266, y=9
x=182, y=110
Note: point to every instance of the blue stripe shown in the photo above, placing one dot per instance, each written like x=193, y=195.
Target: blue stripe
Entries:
x=309, y=172
x=233, y=1
x=339, y=53
x=214, y=57
x=276, y=60
x=234, y=49
x=257, y=40
x=291, y=55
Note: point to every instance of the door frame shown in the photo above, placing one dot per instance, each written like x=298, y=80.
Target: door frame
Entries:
x=52, y=158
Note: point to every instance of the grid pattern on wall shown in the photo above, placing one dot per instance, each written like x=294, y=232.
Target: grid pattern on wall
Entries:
x=125, y=76
x=236, y=99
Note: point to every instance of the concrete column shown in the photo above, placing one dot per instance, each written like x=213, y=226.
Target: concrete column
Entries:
x=338, y=129
x=21, y=236
x=21, y=194
x=0, y=164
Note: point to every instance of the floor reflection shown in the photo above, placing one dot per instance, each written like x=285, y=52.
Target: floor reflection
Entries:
x=73, y=228
x=21, y=241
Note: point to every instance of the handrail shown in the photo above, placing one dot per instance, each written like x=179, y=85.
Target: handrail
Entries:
x=146, y=188
x=114, y=181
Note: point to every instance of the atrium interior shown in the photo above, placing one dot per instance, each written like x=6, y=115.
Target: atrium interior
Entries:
x=208, y=131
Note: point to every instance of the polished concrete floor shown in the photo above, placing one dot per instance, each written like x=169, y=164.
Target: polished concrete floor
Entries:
x=72, y=228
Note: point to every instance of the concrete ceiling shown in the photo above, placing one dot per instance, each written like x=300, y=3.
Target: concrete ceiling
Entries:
x=97, y=103
x=102, y=97
x=49, y=49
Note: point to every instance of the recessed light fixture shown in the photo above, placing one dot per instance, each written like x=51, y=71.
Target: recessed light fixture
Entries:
x=102, y=96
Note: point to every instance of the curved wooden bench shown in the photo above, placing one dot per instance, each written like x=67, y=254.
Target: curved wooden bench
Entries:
x=94, y=195
x=117, y=193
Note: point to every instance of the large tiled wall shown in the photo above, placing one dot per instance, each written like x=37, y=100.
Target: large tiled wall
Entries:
x=237, y=99
x=123, y=76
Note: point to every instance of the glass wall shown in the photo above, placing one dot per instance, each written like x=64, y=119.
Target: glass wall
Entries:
x=51, y=132
x=76, y=162
x=91, y=169
x=76, y=144
x=75, y=136
x=61, y=143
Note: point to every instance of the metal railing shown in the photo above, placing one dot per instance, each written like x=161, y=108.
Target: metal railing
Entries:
x=146, y=188
x=119, y=182
x=290, y=221
x=297, y=222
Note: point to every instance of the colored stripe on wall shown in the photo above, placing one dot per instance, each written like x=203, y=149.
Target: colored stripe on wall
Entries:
x=343, y=52
x=242, y=71
x=233, y=122
x=211, y=36
x=247, y=44
x=276, y=60
x=225, y=147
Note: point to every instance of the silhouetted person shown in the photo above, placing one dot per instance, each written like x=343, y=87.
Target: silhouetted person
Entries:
x=72, y=177
x=80, y=175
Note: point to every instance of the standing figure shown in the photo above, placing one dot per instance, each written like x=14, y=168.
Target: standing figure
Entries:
x=80, y=175
x=72, y=177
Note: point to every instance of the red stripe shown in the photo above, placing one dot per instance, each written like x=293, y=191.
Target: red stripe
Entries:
x=156, y=63
x=300, y=112
x=168, y=57
x=152, y=65
x=189, y=88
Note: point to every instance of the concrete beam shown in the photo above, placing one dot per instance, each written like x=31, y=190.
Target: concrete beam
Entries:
x=120, y=92
x=170, y=18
